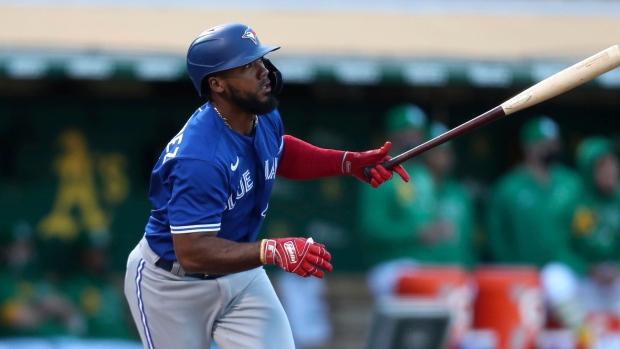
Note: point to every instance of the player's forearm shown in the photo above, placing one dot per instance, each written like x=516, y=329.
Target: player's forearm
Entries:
x=212, y=255
x=302, y=160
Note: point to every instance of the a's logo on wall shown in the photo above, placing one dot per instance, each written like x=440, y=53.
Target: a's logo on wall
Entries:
x=250, y=34
x=90, y=186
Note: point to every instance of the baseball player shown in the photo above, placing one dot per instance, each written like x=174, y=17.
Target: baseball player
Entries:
x=197, y=274
x=529, y=213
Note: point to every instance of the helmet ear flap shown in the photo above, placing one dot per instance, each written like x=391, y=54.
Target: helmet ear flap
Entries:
x=275, y=77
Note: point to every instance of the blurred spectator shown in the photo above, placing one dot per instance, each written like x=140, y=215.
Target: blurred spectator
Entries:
x=30, y=305
x=426, y=221
x=452, y=231
x=529, y=215
x=393, y=216
x=596, y=229
x=97, y=295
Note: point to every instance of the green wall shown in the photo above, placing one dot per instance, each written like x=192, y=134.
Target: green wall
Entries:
x=75, y=161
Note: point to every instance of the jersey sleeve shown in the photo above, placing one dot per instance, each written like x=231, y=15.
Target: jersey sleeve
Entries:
x=198, y=196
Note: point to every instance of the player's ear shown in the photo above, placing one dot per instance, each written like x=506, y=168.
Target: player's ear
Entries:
x=216, y=84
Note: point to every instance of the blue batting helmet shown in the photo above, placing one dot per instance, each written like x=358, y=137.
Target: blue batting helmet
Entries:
x=224, y=47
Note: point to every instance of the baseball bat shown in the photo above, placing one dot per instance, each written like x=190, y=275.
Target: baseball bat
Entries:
x=552, y=86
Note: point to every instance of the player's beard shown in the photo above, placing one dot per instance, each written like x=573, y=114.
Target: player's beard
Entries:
x=252, y=104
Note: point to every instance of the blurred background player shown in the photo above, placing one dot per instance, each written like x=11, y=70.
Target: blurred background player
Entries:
x=454, y=212
x=98, y=295
x=391, y=216
x=31, y=304
x=592, y=288
x=596, y=224
x=529, y=214
x=427, y=221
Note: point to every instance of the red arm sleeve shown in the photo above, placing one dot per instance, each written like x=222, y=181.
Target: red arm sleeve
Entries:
x=302, y=160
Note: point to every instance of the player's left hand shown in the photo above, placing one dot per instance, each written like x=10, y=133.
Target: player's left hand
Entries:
x=297, y=255
x=354, y=163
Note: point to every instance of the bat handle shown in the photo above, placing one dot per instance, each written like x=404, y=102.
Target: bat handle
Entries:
x=388, y=165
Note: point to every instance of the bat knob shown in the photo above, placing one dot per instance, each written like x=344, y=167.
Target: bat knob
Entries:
x=367, y=172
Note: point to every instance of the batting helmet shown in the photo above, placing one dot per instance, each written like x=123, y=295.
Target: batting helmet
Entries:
x=224, y=47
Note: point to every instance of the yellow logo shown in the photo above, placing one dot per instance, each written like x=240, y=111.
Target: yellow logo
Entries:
x=405, y=192
x=87, y=184
x=583, y=221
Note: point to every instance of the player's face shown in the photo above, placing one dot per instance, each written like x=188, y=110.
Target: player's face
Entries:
x=440, y=160
x=406, y=139
x=250, y=90
x=545, y=152
x=606, y=175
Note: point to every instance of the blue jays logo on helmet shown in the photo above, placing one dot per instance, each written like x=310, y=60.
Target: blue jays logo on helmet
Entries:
x=224, y=47
x=250, y=34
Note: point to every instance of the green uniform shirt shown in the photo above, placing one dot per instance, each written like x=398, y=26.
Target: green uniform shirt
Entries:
x=393, y=216
x=596, y=228
x=529, y=222
x=596, y=223
x=453, y=205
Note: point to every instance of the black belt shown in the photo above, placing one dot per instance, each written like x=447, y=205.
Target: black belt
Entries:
x=167, y=266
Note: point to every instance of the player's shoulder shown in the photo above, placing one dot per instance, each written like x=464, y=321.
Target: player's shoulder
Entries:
x=567, y=179
x=202, y=135
x=273, y=120
x=566, y=173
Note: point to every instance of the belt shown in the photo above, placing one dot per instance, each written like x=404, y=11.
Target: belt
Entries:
x=167, y=266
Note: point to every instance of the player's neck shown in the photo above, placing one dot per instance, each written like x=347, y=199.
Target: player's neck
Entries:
x=539, y=171
x=238, y=120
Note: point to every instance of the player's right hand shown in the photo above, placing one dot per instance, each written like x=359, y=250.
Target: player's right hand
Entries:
x=354, y=163
x=297, y=255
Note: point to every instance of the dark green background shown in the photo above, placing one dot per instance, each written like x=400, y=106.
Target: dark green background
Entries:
x=138, y=118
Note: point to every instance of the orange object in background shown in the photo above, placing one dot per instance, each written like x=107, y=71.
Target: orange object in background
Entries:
x=510, y=302
x=450, y=284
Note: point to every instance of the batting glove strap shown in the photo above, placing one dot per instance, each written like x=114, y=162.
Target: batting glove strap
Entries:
x=297, y=255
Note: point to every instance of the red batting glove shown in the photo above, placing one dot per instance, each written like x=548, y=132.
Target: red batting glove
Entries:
x=296, y=255
x=354, y=163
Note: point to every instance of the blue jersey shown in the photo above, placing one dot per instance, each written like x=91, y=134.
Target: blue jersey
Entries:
x=211, y=178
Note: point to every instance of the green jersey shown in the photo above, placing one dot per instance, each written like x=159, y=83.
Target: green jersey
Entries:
x=529, y=222
x=394, y=216
x=596, y=221
x=455, y=207
x=596, y=228
x=391, y=215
